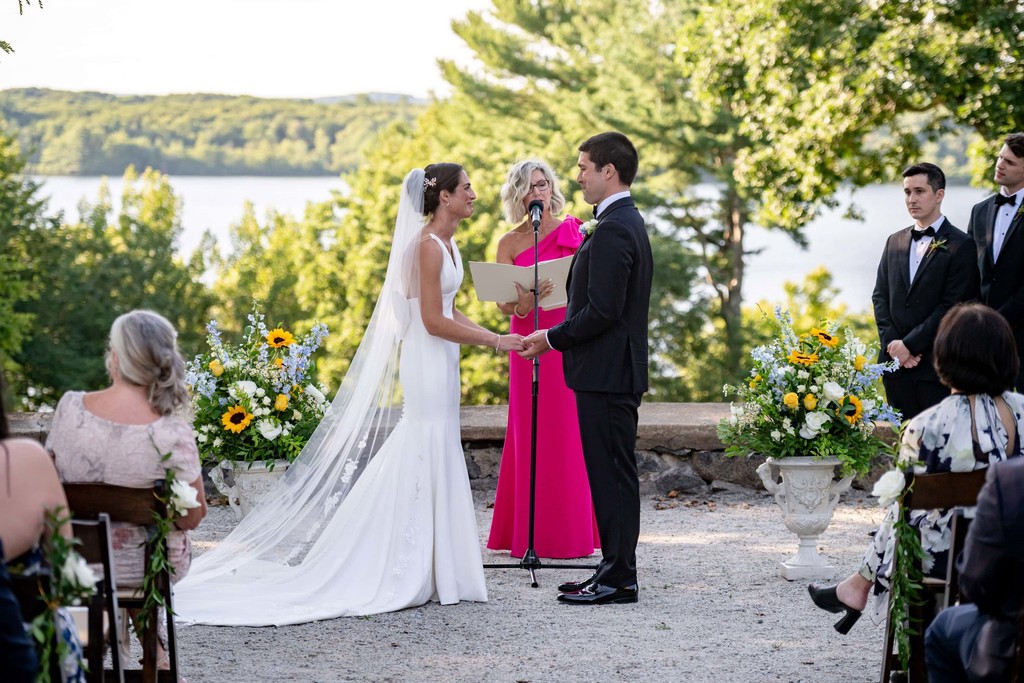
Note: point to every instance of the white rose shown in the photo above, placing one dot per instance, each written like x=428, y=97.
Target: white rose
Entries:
x=247, y=387
x=813, y=424
x=889, y=487
x=217, y=442
x=183, y=496
x=77, y=572
x=266, y=400
x=260, y=392
x=801, y=388
x=315, y=393
x=202, y=438
x=776, y=435
x=833, y=392
x=296, y=415
x=228, y=364
x=269, y=429
x=802, y=374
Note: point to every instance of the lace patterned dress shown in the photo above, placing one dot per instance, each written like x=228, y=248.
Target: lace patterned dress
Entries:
x=940, y=440
x=88, y=448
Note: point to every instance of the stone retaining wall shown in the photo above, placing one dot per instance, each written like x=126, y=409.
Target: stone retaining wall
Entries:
x=677, y=448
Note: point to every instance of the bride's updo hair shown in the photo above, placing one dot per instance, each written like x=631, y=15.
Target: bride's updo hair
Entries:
x=146, y=348
x=436, y=178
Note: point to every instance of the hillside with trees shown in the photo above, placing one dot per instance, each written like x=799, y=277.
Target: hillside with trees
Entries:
x=90, y=133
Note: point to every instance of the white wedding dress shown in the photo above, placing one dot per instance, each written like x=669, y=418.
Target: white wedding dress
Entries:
x=404, y=532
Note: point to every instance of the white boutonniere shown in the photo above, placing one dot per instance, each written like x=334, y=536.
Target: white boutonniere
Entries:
x=587, y=229
x=937, y=245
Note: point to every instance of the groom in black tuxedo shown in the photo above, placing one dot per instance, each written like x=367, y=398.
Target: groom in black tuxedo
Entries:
x=925, y=270
x=603, y=341
x=996, y=226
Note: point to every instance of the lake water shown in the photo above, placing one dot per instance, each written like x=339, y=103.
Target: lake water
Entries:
x=849, y=249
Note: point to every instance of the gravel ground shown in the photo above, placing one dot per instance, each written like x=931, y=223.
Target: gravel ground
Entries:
x=712, y=608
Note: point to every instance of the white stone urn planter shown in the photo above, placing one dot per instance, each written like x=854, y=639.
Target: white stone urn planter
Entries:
x=807, y=491
x=246, y=483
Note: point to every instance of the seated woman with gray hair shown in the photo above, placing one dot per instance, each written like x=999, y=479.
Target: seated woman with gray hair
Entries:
x=122, y=434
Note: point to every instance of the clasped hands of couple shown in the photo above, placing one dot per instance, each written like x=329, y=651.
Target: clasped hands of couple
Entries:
x=527, y=347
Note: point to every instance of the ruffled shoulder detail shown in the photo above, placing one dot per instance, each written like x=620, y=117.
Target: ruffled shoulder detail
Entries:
x=568, y=233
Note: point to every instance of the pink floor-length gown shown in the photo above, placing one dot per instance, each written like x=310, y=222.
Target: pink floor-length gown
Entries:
x=564, y=524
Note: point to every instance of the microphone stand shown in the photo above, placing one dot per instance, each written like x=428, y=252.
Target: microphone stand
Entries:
x=531, y=562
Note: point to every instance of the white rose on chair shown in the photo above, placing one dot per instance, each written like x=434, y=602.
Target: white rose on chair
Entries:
x=183, y=497
x=889, y=487
x=76, y=572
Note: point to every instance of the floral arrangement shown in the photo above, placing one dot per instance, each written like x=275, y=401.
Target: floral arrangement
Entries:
x=587, y=229
x=71, y=582
x=254, y=402
x=810, y=394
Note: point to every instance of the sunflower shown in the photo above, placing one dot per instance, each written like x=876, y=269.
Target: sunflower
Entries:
x=279, y=337
x=236, y=419
x=851, y=409
x=797, y=357
x=824, y=337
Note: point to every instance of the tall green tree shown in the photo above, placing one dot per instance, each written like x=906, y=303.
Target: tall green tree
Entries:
x=99, y=268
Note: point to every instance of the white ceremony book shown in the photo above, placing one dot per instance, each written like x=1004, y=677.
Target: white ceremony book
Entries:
x=496, y=281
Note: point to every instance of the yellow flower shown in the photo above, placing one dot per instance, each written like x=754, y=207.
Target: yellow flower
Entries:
x=859, y=362
x=281, y=402
x=791, y=400
x=278, y=362
x=236, y=419
x=753, y=382
x=851, y=409
x=797, y=357
x=278, y=337
x=824, y=337
x=810, y=401
x=216, y=367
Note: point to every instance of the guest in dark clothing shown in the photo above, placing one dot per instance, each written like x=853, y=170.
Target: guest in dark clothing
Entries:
x=976, y=641
x=17, y=654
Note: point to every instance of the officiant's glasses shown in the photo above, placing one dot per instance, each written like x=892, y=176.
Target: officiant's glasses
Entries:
x=539, y=186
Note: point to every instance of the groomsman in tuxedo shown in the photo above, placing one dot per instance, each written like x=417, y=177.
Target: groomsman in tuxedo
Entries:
x=996, y=226
x=925, y=270
x=603, y=341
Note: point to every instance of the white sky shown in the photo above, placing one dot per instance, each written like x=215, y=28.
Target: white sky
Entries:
x=266, y=48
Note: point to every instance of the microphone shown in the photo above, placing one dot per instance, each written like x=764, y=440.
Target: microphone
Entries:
x=536, y=209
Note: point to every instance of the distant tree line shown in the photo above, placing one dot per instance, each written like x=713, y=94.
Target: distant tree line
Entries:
x=89, y=133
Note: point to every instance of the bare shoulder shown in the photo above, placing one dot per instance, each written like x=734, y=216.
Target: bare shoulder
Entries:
x=29, y=455
x=509, y=245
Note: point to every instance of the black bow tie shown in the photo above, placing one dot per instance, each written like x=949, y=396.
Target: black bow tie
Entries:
x=918, y=234
x=1006, y=199
x=595, y=212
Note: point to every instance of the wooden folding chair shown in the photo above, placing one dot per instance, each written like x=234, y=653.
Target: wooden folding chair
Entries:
x=103, y=608
x=137, y=507
x=925, y=492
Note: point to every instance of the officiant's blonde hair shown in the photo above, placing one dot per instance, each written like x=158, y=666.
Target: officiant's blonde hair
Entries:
x=517, y=186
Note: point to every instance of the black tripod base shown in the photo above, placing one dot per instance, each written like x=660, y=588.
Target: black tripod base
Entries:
x=532, y=563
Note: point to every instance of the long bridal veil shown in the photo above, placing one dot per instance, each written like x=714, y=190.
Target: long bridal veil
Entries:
x=280, y=531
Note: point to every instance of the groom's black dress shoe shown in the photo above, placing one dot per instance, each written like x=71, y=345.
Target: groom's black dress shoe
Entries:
x=599, y=594
x=573, y=586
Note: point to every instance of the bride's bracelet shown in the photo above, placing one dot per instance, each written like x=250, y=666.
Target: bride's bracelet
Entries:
x=497, y=342
x=515, y=309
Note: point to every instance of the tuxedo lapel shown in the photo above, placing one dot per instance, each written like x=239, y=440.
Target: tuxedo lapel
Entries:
x=1014, y=227
x=942, y=234
x=903, y=257
x=989, y=225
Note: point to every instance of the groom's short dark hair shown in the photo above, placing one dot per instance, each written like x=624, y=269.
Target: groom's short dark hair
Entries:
x=615, y=149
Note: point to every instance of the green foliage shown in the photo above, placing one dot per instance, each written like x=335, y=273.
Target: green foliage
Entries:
x=72, y=133
x=88, y=273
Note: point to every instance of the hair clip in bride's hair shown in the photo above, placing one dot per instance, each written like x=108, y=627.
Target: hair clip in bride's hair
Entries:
x=429, y=182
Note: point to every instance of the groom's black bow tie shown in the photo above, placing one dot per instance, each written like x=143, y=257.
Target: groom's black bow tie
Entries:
x=918, y=234
x=595, y=212
x=1006, y=199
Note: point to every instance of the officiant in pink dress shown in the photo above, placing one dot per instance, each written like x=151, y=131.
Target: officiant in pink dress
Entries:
x=564, y=524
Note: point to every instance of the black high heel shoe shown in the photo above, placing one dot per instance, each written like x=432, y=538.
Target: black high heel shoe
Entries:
x=826, y=599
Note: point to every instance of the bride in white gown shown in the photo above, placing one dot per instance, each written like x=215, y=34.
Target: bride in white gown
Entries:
x=376, y=514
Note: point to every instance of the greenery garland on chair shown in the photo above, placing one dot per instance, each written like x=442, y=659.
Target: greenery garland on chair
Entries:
x=907, y=578
x=71, y=582
x=177, y=497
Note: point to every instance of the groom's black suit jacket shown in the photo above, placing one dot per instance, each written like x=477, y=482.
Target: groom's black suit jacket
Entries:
x=911, y=311
x=603, y=339
x=1002, y=280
